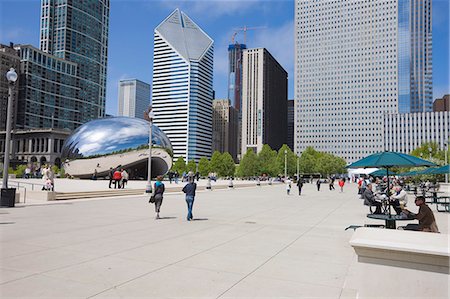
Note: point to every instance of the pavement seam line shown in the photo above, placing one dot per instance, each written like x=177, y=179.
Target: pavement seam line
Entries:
x=281, y=250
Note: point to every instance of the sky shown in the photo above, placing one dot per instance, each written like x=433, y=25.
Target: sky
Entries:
x=132, y=23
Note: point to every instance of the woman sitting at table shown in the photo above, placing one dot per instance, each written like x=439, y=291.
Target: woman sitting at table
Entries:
x=427, y=223
x=399, y=199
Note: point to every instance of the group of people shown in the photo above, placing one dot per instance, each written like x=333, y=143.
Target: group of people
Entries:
x=158, y=195
x=119, y=177
x=48, y=177
x=398, y=199
x=301, y=181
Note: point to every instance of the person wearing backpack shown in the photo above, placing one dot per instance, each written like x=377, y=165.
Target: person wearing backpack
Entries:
x=189, y=190
x=158, y=192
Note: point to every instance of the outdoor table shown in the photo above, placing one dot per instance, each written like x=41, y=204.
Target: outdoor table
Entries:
x=389, y=219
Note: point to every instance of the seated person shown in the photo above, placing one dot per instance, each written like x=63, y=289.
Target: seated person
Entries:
x=369, y=199
x=427, y=223
x=399, y=199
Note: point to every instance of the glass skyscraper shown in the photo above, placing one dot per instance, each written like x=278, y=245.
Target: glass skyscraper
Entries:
x=77, y=31
x=355, y=62
x=235, y=74
x=182, y=90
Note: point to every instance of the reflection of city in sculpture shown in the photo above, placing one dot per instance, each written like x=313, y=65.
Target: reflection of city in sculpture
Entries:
x=116, y=142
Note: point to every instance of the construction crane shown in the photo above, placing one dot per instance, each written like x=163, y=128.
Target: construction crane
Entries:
x=244, y=29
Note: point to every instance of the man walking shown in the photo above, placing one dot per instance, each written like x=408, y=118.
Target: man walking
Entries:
x=110, y=174
x=189, y=190
x=300, y=186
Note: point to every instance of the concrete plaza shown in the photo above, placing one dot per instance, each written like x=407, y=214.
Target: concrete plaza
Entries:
x=254, y=242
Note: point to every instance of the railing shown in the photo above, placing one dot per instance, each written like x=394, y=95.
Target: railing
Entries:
x=27, y=183
x=18, y=186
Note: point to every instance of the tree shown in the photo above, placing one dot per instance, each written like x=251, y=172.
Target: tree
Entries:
x=291, y=160
x=227, y=167
x=267, y=159
x=179, y=165
x=191, y=166
x=249, y=165
x=203, y=166
x=423, y=151
x=216, y=161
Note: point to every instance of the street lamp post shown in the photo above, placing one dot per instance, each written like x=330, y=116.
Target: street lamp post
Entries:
x=298, y=168
x=285, y=164
x=11, y=75
x=430, y=151
x=445, y=158
x=149, y=115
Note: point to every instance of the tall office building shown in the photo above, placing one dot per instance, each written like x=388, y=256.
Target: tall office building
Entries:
x=235, y=74
x=77, y=31
x=264, y=101
x=225, y=127
x=134, y=97
x=290, y=124
x=9, y=58
x=182, y=90
x=356, y=61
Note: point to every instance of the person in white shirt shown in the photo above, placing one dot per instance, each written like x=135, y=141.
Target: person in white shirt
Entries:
x=399, y=199
x=124, y=178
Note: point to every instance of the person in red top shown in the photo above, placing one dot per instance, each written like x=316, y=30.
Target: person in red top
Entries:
x=117, y=176
x=341, y=184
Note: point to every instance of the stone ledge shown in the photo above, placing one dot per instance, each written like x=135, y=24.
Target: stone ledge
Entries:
x=405, y=249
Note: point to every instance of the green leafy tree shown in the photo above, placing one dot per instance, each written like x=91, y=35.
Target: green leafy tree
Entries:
x=203, y=166
x=249, y=165
x=227, y=167
x=191, y=166
x=216, y=161
x=268, y=161
x=423, y=151
x=291, y=160
x=179, y=165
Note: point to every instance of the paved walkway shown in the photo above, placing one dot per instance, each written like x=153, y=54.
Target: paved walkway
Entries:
x=245, y=243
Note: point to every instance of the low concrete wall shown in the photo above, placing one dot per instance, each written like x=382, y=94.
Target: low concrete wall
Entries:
x=388, y=260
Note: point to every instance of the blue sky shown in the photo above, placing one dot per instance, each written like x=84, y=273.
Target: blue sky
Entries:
x=131, y=35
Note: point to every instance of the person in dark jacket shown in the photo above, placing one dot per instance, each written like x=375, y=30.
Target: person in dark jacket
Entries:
x=300, y=186
x=158, y=192
x=318, y=184
x=369, y=199
x=189, y=189
x=110, y=175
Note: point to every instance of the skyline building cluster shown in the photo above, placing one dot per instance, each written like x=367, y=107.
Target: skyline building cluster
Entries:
x=363, y=82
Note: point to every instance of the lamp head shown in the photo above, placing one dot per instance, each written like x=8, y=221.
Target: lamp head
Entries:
x=11, y=75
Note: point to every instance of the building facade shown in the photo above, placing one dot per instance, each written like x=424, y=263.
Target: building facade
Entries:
x=37, y=146
x=48, y=91
x=290, y=124
x=442, y=104
x=235, y=74
x=356, y=61
x=406, y=132
x=225, y=127
x=134, y=97
x=77, y=31
x=182, y=90
x=9, y=58
x=264, y=101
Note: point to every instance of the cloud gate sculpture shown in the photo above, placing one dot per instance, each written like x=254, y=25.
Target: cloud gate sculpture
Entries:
x=116, y=142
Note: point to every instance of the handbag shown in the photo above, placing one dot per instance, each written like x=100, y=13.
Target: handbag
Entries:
x=152, y=199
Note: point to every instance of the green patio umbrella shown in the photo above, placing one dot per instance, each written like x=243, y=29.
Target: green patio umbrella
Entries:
x=388, y=160
x=380, y=173
x=440, y=170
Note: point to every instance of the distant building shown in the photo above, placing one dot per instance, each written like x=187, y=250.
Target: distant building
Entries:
x=442, y=104
x=407, y=131
x=355, y=61
x=290, y=124
x=39, y=146
x=182, y=91
x=264, y=101
x=235, y=74
x=134, y=97
x=225, y=127
x=77, y=31
x=9, y=58
x=48, y=91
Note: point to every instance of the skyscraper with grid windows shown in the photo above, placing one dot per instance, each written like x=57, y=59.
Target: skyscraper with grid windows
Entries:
x=182, y=90
x=356, y=61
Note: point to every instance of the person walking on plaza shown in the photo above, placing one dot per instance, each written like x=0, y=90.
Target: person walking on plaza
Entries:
x=341, y=184
x=288, y=186
x=318, y=184
x=110, y=175
x=331, y=185
x=189, y=190
x=117, y=176
x=124, y=178
x=300, y=186
x=158, y=193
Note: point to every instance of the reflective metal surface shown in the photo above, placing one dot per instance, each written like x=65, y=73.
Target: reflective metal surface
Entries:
x=115, y=142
